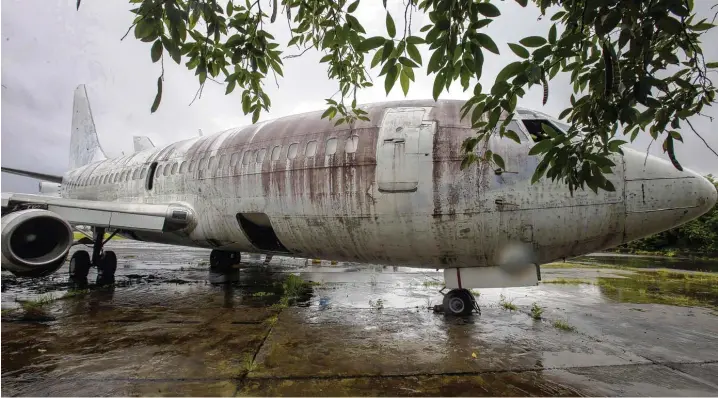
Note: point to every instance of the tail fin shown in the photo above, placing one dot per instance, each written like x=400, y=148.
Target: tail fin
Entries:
x=84, y=145
x=142, y=143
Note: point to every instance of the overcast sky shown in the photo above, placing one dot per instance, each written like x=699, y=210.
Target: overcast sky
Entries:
x=48, y=48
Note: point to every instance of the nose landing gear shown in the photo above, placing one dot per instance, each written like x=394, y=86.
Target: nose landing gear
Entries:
x=458, y=302
x=104, y=260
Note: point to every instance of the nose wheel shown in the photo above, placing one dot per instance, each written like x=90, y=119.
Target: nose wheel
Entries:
x=460, y=302
x=104, y=260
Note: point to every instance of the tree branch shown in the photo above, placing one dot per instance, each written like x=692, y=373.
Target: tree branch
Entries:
x=702, y=139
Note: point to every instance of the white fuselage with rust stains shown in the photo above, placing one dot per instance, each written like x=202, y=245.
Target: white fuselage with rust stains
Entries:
x=390, y=190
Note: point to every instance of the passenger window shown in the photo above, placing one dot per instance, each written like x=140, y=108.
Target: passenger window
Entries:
x=212, y=162
x=151, y=175
x=115, y=178
x=233, y=160
x=260, y=155
x=275, y=152
x=127, y=175
x=535, y=128
x=166, y=171
x=331, y=147
x=292, y=151
x=311, y=149
x=352, y=144
x=247, y=157
x=183, y=167
x=202, y=164
x=158, y=171
x=174, y=168
x=143, y=174
x=136, y=174
x=192, y=165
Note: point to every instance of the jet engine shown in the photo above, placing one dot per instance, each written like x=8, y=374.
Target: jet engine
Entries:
x=35, y=242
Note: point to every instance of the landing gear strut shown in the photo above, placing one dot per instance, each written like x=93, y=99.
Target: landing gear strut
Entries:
x=104, y=260
x=460, y=302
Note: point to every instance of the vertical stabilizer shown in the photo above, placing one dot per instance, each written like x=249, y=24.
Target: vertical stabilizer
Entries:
x=142, y=143
x=84, y=145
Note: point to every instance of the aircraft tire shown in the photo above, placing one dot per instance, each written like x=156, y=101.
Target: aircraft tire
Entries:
x=80, y=264
x=220, y=259
x=458, y=302
x=106, y=268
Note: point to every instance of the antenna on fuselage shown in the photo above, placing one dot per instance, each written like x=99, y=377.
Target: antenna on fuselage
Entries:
x=200, y=133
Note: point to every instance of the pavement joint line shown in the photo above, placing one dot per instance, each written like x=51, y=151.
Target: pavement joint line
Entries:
x=254, y=357
x=339, y=377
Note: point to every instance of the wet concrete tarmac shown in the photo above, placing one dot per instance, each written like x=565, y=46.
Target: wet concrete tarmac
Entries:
x=164, y=330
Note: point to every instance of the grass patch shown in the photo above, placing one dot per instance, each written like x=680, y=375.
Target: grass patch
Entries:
x=294, y=286
x=249, y=364
x=576, y=265
x=75, y=293
x=433, y=283
x=508, y=305
x=262, y=294
x=536, y=311
x=377, y=305
x=475, y=292
x=569, y=281
x=563, y=325
x=79, y=235
x=36, y=308
x=684, y=289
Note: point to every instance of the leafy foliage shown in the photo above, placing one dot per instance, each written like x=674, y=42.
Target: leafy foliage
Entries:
x=698, y=236
x=635, y=65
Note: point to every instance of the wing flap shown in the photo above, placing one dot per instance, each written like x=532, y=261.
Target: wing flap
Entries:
x=116, y=215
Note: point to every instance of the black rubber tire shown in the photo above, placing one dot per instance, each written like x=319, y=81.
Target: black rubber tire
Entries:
x=221, y=260
x=458, y=302
x=80, y=264
x=106, y=268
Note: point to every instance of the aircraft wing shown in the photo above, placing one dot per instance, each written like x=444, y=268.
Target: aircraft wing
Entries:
x=32, y=174
x=114, y=215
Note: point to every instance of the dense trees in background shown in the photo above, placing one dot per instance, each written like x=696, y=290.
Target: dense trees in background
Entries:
x=697, y=236
x=636, y=65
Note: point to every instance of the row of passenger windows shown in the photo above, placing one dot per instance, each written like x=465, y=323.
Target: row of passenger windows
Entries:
x=250, y=156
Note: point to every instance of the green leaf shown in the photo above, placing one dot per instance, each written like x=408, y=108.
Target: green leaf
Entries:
x=326, y=58
x=404, y=80
x=512, y=135
x=354, y=23
x=390, y=27
x=413, y=52
x=407, y=62
x=499, y=161
x=487, y=9
x=519, y=50
x=533, y=41
x=391, y=76
x=439, y=81
x=156, y=51
x=509, y=70
x=669, y=25
x=523, y=3
x=372, y=43
x=158, y=97
x=353, y=6
x=541, y=147
x=615, y=146
x=552, y=34
x=486, y=42
x=330, y=111
x=377, y=59
x=255, y=115
x=414, y=40
x=712, y=65
x=436, y=60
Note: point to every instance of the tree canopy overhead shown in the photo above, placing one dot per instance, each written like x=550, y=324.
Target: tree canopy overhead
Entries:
x=637, y=66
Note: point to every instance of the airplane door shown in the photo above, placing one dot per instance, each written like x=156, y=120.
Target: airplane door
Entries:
x=398, y=150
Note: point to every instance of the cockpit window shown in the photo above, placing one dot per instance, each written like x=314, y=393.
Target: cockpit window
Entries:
x=535, y=128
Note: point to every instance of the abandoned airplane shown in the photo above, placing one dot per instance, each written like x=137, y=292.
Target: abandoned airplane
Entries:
x=389, y=190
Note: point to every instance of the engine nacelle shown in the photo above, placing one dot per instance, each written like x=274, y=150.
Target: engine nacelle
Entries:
x=35, y=242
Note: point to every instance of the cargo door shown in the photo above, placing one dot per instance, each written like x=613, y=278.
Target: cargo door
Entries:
x=398, y=150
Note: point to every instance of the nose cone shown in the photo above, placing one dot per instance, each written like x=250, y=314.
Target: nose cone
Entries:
x=660, y=197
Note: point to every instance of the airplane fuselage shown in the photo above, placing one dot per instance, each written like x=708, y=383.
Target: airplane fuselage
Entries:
x=390, y=190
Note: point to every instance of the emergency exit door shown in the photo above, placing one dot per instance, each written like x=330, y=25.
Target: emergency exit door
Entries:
x=398, y=150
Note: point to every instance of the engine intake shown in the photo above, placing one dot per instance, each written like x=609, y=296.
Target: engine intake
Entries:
x=35, y=242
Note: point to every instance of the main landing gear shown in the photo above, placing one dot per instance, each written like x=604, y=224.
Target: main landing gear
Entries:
x=222, y=266
x=459, y=302
x=104, y=260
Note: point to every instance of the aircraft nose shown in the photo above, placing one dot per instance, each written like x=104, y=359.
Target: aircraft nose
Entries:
x=660, y=197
